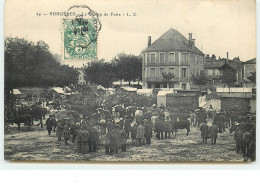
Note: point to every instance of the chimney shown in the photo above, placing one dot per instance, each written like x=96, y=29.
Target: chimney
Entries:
x=193, y=43
x=213, y=57
x=190, y=39
x=149, y=40
x=227, y=58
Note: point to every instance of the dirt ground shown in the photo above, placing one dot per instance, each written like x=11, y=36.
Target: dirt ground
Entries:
x=37, y=145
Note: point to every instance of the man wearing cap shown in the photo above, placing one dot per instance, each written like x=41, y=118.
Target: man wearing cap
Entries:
x=148, y=131
x=93, y=137
x=107, y=142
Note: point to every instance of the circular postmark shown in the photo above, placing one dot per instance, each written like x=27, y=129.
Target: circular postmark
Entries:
x=80, y=34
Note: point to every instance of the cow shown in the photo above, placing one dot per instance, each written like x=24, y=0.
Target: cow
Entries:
x=182, y=124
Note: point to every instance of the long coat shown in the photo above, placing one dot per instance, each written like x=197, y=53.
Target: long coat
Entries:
x=59, y=129
x=48, y=124
x=204, y=129
x=168, y=126
x=115, y=137
x=213, y=131
x=148, y=130
x=123, y=136
x=66, y=131
x=133, y=132
x=84, y=135
x=140, y=132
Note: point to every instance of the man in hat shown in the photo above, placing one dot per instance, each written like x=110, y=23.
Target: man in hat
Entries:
x=134, y=133
x=59, y=129
x=128, y=122
x=84, y=140
x=140, y=134
x=148, y=131
x=49, y=125
x=167, y=128
x=79, y=140
x=66, y=131
x=238, y=136
x=204, y=129
x=123, y=139
x=121, y=123
x=213, y=132
x=115, y=139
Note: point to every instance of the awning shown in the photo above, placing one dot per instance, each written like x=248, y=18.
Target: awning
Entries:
x=16, y=92
x=58, y=90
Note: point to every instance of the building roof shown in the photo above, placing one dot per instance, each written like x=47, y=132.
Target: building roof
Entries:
x=252, y=61
x=172, y=40
x=218, y=64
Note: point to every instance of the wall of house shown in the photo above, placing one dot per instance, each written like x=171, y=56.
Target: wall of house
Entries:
x=194, y=63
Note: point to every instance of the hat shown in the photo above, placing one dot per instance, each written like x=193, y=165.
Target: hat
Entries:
x=77, y=123
x=121, y=118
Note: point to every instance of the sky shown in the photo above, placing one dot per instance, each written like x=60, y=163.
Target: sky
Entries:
x=219, y=26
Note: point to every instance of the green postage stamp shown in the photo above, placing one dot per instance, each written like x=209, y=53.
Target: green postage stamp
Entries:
x=80, y=39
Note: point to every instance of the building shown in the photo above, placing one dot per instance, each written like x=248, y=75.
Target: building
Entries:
x=214, y=69
x=173, y=53
x=81, y=79
x=248, y=68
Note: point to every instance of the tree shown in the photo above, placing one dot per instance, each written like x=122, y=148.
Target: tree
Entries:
x=200, y=79
x=28, y=64
x=252, y=78
x=228, y=77
x=127, y=67
x=167, y=77
x=100, y=72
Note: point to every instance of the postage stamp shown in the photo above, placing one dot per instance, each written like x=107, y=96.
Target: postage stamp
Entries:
x=80, y=39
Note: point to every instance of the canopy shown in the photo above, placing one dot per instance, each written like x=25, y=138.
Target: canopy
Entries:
x=146, y=92
x=130, y=89
x=58, y=90
x=16, y=92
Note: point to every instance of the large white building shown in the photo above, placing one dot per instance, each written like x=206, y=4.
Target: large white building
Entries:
x=173, y=53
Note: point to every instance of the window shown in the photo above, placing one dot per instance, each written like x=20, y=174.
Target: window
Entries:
x=161, y=71
x=162, y=57
x=197, y=73
x=197, y=58
x=171, y=85
x=194, y=71
x=183, y=85
x=183, y=73
x=144, y=58
x=152, y=72
x=184, y=59
x=210, y=72
x=217, y=72
x=171, y=70
x=201, y=59
x=171, y=57
x=152, y=57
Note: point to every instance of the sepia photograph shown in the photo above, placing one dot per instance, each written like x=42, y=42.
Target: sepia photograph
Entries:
x=130, y=81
